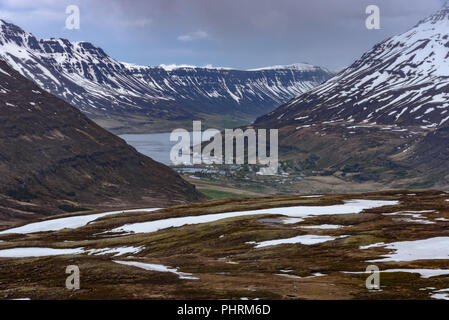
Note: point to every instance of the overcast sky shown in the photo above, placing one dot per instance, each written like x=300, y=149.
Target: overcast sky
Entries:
x=230, y=33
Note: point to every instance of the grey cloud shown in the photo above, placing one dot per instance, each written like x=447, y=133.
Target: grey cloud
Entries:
x=193, y=36
x=241, y=33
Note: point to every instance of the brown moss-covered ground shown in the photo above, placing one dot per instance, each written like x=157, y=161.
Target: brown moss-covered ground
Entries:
x=228, y=267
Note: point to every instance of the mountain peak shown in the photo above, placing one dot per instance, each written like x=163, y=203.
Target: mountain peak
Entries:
x=84, y=75
x=10, y=29
x=89, y=47
x=439, y=16
x=401, y=81
x=11, y=34
x=300, y=66
x=84, y=151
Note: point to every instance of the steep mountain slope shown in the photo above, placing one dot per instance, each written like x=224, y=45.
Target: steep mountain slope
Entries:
x=52, y=157
x=103, y=88
x=380, y=114
x=404, y=81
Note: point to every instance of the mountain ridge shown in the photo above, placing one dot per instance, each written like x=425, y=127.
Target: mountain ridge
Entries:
x=104, y=89
x=54, y=159
x=403, y=80
x=384, y=119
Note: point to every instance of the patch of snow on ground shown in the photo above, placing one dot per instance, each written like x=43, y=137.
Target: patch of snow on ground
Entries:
x=416, y=216
x=420, y=221
x=37, y=252
x=352, y=206
x=305, y=239
x=313, y=196
x=442, y=294
x=324, y=226
x=115, y=251
x=314, y=275
x=44, y=252
x=428, y=249
x=158, y=268
x=292, y=220
x=424, y=273
x=69, y=222
x=226, y=260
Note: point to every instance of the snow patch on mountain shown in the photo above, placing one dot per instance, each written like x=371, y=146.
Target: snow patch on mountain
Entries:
x=85, y=76
x=403, y=80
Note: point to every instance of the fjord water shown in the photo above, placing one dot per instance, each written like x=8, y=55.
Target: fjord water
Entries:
x=154, y=145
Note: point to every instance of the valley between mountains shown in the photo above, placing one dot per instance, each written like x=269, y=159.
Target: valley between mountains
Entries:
x=53, y=159
x=382, y=123
x=128, y=98
x=363, y=176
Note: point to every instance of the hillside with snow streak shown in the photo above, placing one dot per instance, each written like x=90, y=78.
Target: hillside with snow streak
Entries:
x=101, y=87
x=384, y=119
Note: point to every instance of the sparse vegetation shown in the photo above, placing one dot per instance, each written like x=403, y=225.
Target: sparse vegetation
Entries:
x=223, y=256
x=71, y=208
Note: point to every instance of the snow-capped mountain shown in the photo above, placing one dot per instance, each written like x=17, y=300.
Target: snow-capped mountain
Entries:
x=86, y=77
x=403, y=80
x=382, y=122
